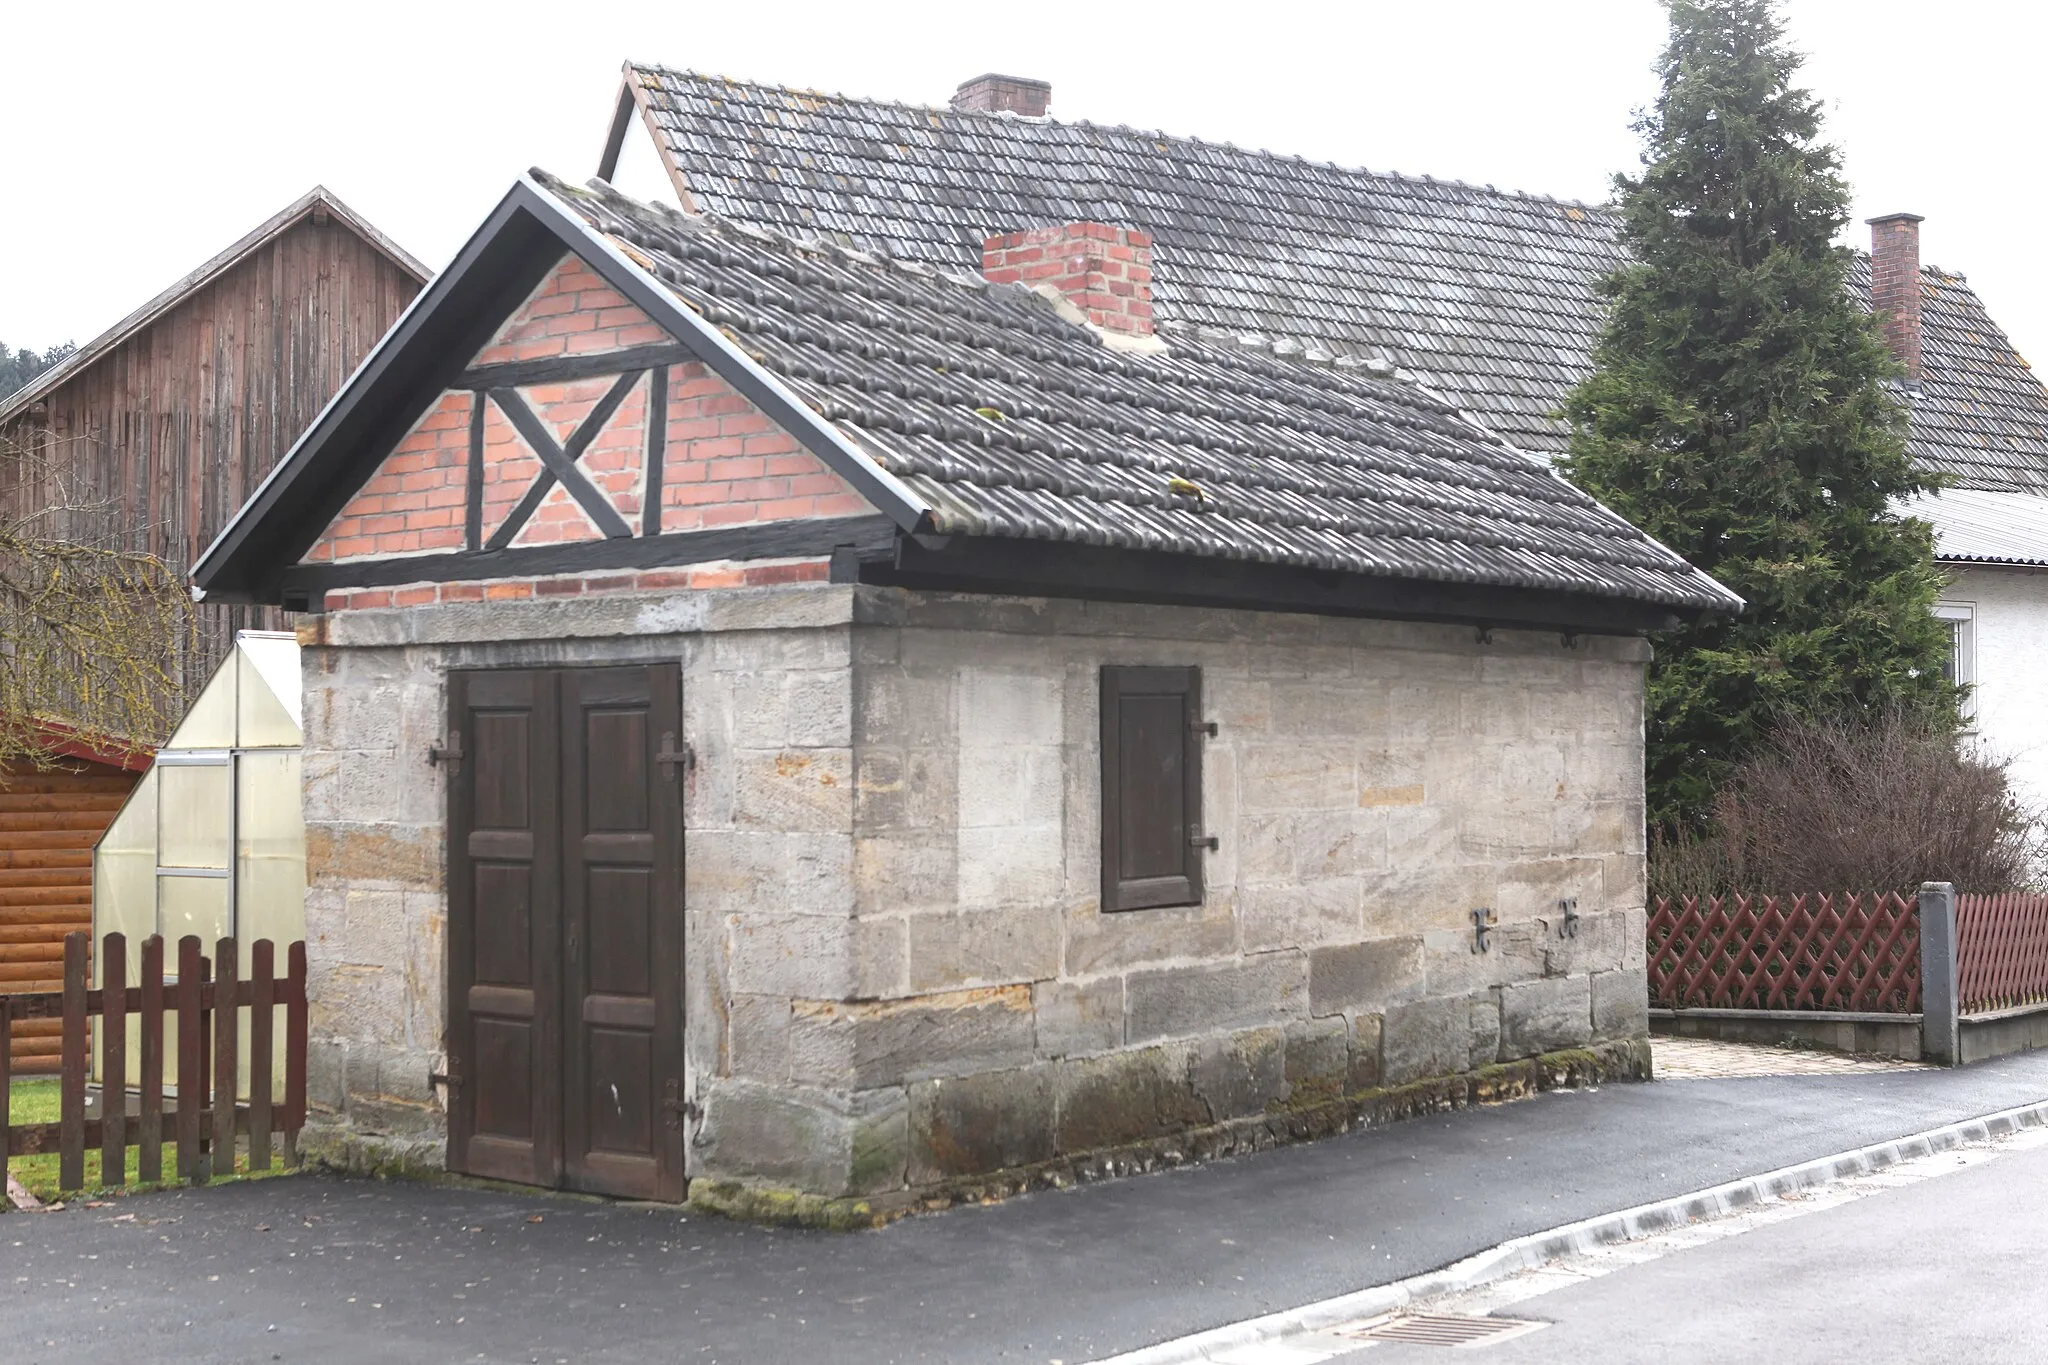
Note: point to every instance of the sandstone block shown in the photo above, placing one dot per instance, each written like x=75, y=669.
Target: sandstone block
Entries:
x=1271, y=988
x=1125, y=1097
x=1621, y=1004
x=984, y=947
x=1240, y=1073
x=990, y=1121
x=884, y=1042
x=1543, y=1016
x=1369, y=976
x=1484, y=1012
x=1301, y=913
x=1318, y=1059
x=1367, y=1071
x=786, y=1136
x=1426, y=1038
x=760, y=1033
x=800, y=956
x=791, y=790
x=1078, y=1017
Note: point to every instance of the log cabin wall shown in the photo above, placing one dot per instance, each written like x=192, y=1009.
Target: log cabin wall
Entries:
x=49, y=822
x=169, y=431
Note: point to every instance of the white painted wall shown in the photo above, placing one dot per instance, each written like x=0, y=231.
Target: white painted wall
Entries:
x=2009, y=639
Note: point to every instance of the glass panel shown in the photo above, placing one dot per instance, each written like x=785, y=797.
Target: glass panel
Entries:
x=191, y=905
x=192, y=825
x=210, y=722
x=124, y=872
x=266, y=718
x=124, y=897
x=270, y=850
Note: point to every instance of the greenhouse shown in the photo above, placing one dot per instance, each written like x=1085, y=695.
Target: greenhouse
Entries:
x=212, y=841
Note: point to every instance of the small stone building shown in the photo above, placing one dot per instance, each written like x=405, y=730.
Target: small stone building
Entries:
x=777, y=715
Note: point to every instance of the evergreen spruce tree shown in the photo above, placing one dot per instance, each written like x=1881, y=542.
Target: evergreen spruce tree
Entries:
x=1739, y=412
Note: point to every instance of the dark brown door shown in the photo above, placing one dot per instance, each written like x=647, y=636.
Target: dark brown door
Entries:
x=565, y=930
x=505, y=928
x=621, y=837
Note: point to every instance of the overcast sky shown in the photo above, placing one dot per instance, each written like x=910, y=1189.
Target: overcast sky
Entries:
x=141, y=141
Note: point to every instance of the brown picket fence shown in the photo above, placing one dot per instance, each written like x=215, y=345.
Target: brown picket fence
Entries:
x=206, y=999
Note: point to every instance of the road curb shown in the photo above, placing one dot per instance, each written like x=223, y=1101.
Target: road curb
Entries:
x=1585, y=1235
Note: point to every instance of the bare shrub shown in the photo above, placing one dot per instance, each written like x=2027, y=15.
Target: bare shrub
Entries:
x=1877, y=805
x=90, y=633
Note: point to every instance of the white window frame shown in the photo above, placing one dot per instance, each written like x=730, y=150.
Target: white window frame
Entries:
x=1962, y=617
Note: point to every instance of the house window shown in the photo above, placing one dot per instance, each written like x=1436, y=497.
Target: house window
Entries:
x=1152, y=840
x=1961, y=666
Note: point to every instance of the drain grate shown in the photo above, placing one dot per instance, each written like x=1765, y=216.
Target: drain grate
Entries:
x=1446, y=1329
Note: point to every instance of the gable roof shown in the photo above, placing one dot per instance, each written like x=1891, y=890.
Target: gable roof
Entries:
x=970, y=410
x=1489, y=295
x=318, y=200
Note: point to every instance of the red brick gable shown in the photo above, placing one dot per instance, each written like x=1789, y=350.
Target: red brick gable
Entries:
x=724, y=462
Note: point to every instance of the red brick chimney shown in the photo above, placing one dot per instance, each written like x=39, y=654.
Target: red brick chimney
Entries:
x=1104, y=271
x=1895, y=285
x=993, y=94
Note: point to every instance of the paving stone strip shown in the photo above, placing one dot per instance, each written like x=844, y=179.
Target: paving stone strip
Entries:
x=1680, y=1059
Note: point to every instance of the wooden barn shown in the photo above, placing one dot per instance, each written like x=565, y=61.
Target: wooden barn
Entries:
x=164, y=425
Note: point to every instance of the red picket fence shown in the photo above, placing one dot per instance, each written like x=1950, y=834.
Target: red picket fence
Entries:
x=1850, y=952
x=206, y=999
x=2001, y=952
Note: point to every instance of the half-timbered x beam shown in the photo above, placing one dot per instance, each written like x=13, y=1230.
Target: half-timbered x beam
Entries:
x=559, y=461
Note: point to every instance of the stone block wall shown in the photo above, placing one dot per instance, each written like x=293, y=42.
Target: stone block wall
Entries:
x=1371, y=784
x=898, y=969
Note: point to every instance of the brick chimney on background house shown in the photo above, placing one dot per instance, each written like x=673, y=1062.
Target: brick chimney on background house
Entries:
x=1895, y=286
x=993, y=94
x=1103, y=272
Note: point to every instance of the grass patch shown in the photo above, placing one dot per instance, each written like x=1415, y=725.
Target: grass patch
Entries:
x=38, y=1100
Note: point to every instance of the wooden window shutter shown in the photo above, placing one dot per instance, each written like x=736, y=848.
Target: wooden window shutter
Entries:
x=1152, y=838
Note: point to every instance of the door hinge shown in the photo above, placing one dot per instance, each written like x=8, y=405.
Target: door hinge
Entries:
x=451, y=752
x=1203, y=727
x=669, y=756
x=1208, y=841
x=678, y=1109
x=447, y=1078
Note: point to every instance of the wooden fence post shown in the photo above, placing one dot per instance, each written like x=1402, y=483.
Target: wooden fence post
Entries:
x=191, y=1047
x=71, y=1087
x=262, y=1007
x=114, y=1061
x=226, y=1014
x=294, y=1051
x=1940, y=1029
x=149, y=1161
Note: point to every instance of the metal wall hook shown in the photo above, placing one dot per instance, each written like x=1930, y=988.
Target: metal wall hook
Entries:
x=1570, y=927
x=1483, y=922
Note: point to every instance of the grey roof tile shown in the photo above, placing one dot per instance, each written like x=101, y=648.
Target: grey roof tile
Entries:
x=1489, y=295
x=1312, y=465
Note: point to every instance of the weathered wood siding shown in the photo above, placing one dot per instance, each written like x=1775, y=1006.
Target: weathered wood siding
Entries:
x=174, y=428
x=49, y=822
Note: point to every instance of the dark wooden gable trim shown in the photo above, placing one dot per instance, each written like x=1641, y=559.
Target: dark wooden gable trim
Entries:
x=426, y=353
x=303, y=585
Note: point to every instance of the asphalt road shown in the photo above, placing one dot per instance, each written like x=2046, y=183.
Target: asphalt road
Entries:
x=1948, y=1269
x=323, y=1269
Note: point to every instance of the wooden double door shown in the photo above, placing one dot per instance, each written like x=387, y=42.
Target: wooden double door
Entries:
x=565, y=937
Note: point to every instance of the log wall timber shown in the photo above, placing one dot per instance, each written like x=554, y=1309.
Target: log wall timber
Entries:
x=172, y=429
x=49, y=822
